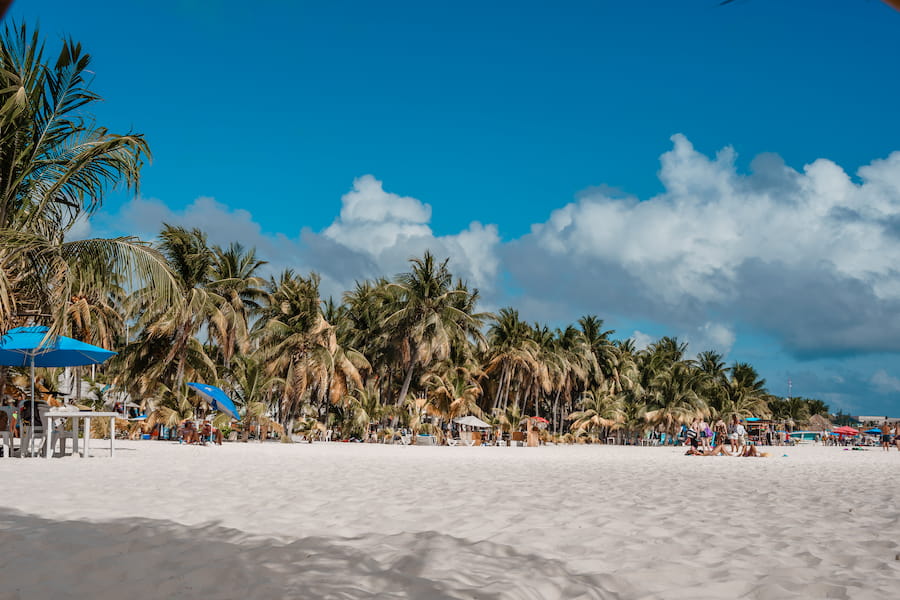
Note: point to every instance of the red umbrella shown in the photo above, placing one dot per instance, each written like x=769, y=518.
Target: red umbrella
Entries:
x=539, y=419
x=845, y=430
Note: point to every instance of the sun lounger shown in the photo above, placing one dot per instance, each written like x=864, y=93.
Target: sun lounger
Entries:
x=453, y=441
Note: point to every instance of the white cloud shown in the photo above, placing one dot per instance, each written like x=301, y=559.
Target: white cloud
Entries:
x=885, y=383
x=810, y=256
x=376, y=234
x=642, y=340
x=711, y=336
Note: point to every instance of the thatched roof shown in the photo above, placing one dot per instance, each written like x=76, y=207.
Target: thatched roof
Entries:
x=820, y=423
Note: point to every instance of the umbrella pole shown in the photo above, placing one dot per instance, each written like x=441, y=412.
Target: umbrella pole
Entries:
x=31, y=424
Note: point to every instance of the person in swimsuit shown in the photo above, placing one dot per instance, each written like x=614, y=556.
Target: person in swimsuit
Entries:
x=886, y=436
x=751, y=451
x=705, y=433
x=719, y=450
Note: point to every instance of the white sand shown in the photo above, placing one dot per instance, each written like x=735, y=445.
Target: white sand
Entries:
x=362, y=521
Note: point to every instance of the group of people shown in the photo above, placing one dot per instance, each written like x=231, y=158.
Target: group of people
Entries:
x=191, y=435
x=719, y=440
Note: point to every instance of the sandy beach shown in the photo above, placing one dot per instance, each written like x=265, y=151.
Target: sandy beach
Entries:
x=365, y=521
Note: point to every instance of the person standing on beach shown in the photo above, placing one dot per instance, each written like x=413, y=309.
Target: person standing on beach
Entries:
x=733, y=435
x=741, y=434
x=705, y=434
x=886, y=436
x=897, y=434
x=720, y=429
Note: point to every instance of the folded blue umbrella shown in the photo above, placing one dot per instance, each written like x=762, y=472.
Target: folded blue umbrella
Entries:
x=217, y=399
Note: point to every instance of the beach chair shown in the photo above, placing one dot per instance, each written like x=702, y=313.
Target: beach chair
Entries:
x=6, y=436
x=406, y=439
x=452, y=441
x=32, y=431
x=61, y=434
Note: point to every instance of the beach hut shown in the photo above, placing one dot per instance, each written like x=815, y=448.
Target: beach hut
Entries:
x=471, y=438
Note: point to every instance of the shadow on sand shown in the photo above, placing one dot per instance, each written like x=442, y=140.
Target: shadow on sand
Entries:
x=142, y=558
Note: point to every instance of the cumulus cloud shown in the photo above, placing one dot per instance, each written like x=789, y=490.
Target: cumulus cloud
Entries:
x=711, y=336
x=885, y=383
x=642, y=340
x=808, y=256
x=375, y=234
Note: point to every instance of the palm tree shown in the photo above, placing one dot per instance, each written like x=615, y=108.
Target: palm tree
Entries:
x=296, y=341
x=168, y=343
x=674, y=397
x=232, y=276
x=745, y=394
x=510, y=351
x=430, y=315
x=598, y=412
x=454, y=392
x=364, y=407
x=55, y=167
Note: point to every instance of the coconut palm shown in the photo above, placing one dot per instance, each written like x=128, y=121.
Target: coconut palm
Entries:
x=168, y=343
x=454, y=392
x=674, y=397
x=429, y=315
x=56, y=167
x=510, y=355
x=598, y=411
x=232, y=277
x=296, y=341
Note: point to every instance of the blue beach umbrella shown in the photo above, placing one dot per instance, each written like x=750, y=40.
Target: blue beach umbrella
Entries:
x=873, y=430
x=218, y=399
x=30, y=347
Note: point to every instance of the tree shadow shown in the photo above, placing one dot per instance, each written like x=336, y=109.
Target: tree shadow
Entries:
x=144, y=558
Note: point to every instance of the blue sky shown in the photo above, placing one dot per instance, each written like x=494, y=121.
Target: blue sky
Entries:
x=533, y=142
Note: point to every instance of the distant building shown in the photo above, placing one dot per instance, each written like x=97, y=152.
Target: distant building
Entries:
x=869, y=420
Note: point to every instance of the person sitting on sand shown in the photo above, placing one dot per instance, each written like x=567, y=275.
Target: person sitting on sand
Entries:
x=692, y=436
x=210, y=434
x=751, y=451
x=189, y=433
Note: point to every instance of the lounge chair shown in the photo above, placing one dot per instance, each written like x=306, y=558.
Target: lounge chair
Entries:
x=453, y=441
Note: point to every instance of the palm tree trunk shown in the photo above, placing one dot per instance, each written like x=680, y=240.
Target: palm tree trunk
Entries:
x=407, y=380
x=555, y=407
x=499, y=387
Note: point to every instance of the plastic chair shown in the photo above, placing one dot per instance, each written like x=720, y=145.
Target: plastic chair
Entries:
x=30, y=431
